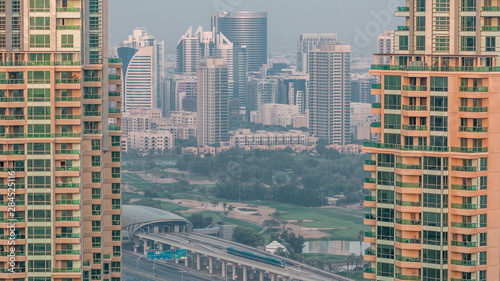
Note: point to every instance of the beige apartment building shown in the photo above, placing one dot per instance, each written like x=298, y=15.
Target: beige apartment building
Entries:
x=59, y=142
x=434, y=174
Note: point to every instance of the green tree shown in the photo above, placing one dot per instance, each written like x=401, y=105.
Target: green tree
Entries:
x=248, y=237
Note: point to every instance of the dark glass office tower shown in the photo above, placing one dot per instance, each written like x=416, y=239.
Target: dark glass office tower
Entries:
x=245, y=29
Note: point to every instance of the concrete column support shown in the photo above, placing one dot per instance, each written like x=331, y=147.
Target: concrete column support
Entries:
x=186, y=261
x=234, y=272
x=198, y=262
x=245, y=273
x=210, y=265
x=145, y=247
x=273, y=277
x=261, y=275
x=224, y=270
x=251, y=274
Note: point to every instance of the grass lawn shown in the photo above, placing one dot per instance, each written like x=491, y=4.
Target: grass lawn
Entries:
x=355, y=276
x=349, y=223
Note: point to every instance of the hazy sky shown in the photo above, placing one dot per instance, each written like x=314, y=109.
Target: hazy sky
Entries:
x=357, y=22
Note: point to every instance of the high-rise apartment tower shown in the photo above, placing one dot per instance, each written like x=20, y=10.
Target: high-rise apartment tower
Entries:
x=310, y=42
x=59, y=142
x=434, y=174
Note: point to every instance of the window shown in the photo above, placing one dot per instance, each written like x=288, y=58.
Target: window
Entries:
x=420, y=5
x=39, y=249
x=385, y=196
x=38, y=77
x=39, y=216
x=385, y=269
x=468, y=23
x=115, y=172
x=385, y=251
x=116, y=234
x=38, y=198
x=420, y=43
x=96, y=258
x=420, y=23
x=435, y=182
x=38, y=95
x=491, y=44
x=435, y=200
x=469, y=5
x=385, y=160
x=392, y=121
x=39, y=23
x=38, y=148
x=392, y=102
x=115, y=266
x=115, y=188
x=115, y=219
x=96, y=177
x=439, y=103
x=115, y=141
x=39, y=5
x=435, y=256
x=116, y=251
x=96, y=144
x=39, y=41
x=403, y=43
x=468, y=43
x=434, y=274
x=115, y=204
x=96, y=226
x=115, y=156
x=38, y=128
x=96, y=161
x=96, y=242
x=441, y=43
x=385, y=233
x=392, y=138
x=435, y=219
x=439, y=123
x=39, y=113
x=439, y=141
x=38, y=165
x=96, y=193
x=39, y=266
x=435, y=163
x=67, y=41
x=96, y=210
x=442, y=23
x=385, y=178
x=392, y=82
x=39, y=232
x=439, y=84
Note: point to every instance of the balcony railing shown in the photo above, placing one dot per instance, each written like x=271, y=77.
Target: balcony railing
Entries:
x=11, y=152
x=474, y=89
x=491, y=28
x=92, y=79
x=12, y=99
x=67, y=135
x=114, y=77
x=415, y=88
x=408, y=277
x=464, y=187
x=377, y=86
x=464, y=168
x=408, y=259
x=473, y=109
x=408, y=240
x=414, y=128
x=463, y=244
x=415, y=107
x=403, y=9
x=370, y=198
x=376, y=105
x=403, y=27
x=114, y=60
x=473, y=129
x=65, y=270
x=67, y=218
x=68, y=202
x=67, y=9
x=375, y=125
x=491, y=8
x=406, y=147
x=408, y=222
x=68, y=185
x=68, y=151
x=67, y=235
x=464, y=225
x=69, y=116
x=370, y=162
x=68, y=169
x=469, y=149
x=370, y=234
x=408, y=166
x=408, y=184
x=408, y=203
x=68, y=98
x=114, y=128
x=114, y=94
x=67, y=252
x=68, y=81
x=464, y=206
x=436, y=68
x=464, y=262
x=68, y=27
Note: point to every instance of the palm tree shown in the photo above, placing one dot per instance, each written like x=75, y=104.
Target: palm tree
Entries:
x=361, y=236
x=300, y=222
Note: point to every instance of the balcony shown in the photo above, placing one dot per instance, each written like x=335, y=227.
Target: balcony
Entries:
x=376, y=125
x=415, y=107
x=11, y=169
x=114, y=60
x=464, y=225
x=464, y=187
x=69, y=116
x=415, y=88
x=464, y=206
x=408, y=259
x=92, y=79
x=370, y=162
x=436, y=68
x=68, y=27
x=67, y=202
x=469, y=149
x=473, y=109
x=408, y=184
x=370, y=180
x=67, y=235
x=67, y=135
x=408, y=240
x=68, y=169
x=114, y=77
x=406, y=147
x=11, y=81
x=414, y=128
x=408, y=166
x=92, y=113
x=91, y=132
x=370, y=234
x=114, y=128
x=67, y=218
x=491, y=28
x=11, y=152
x=376, y=105
x=66, y=9
x=67, y=151
x=370, y=216
x=473, y=129
x=92, y=97
x=114, y=94
x=376, y=86
x=68, y=98
x=403, y=9
x=408, y=222
x=370, y=270
x=114, y=110
x=408, y=203
x=408, y=277
x=370, y=252
x=65, y=270
x=474, y=89
x=12, y=117
x=67, y=252
x=67, y=185
x=403, y=28
x=68, y=81
x=464, y=168
x=464, y=244
x=12, y=99
x=463, y=263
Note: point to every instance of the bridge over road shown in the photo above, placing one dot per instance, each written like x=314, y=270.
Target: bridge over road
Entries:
x=207, y=252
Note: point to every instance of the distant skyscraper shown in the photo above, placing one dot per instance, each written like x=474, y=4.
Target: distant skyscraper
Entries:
x=361, y=90
x=192, y=47
x=330, y=93
x=213, y=101
x=385, y=45
x=143, y=59
x=309, y=42
x=245, y=29
x=60, y=138
x=295, y=92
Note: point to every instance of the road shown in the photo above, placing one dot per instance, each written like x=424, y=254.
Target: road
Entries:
x=163, y=271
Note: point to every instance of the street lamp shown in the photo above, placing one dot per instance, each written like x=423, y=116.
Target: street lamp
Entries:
x=182, y=274
x=138, y=261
